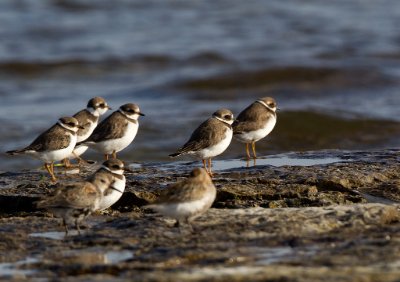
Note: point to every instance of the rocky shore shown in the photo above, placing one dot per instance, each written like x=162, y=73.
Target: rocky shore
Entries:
x=314, y=216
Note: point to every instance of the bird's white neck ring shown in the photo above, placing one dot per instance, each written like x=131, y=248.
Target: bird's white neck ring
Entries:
x=119, y=172
x=265, y=105
x=66, y=127
x=224, y=121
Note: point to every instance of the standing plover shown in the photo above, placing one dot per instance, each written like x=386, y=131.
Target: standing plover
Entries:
x=113, y=168
x=116, y=132
x=188, y=199
x=74, y=202
x=88, y=119
x=210, y=139
x=55, y=144
x=255, y=122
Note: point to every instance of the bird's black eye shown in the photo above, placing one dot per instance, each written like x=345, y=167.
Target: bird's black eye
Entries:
x=227, y=117
x=102, y=105
x=71, y=124
x=115, y=167
x=102, y=181
x=272, y=105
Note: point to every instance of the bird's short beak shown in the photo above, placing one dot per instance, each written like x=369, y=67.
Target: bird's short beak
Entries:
x=141, y=114
x=80, y=127
x=278, y=109
x=108, y=107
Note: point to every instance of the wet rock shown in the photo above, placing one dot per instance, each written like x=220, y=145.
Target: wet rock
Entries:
x=337, y=221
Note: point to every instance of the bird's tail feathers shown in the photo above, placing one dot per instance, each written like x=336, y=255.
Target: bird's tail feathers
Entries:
x=84, y=143
x=15, y=152
x=174, y=155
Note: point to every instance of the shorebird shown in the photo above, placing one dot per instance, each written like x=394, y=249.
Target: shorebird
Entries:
x=254, y=123
x=187, y=199
x=116, y=132
x=74, y=202
x=210, y=139
x=88, y=119
x=55, y=144
x=114, y=169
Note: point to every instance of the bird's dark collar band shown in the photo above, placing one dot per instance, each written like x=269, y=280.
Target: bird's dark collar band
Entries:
x=66, y=128
x=119, y=176
x=226, y=123
x=128, y=118
x=115, y=189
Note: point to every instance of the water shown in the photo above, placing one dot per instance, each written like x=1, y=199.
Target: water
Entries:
x=84, y=257
x=333, y=68
x=274, y=161
x=55, y=235
x=8, y=270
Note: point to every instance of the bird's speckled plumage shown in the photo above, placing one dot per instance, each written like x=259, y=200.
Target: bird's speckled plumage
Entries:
x=187, y=199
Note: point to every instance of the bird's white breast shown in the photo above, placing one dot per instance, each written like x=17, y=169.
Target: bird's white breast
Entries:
x=216, y=149
x=255, y=135
x=82, y=148
x=113, y=196
x=92, y=126
x=108, y=146
x=58, y=155
x=190, y=209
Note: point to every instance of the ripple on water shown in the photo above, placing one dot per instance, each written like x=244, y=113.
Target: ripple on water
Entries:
x=275, y=161
x=55, y=235
x=11, y=269
x=95, y=256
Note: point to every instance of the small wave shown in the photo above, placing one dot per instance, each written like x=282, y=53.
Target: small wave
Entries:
x=386, y=55
x=41, y=67
x=208, y=58
x=112, y=63
x=299, y=76
x=76, y=6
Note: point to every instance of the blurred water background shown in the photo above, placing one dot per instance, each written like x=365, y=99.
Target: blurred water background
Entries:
x=333, y=67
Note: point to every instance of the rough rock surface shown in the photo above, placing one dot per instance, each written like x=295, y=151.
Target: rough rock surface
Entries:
x=338, y=221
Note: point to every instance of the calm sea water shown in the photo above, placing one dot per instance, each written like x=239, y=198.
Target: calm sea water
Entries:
x=333, y=67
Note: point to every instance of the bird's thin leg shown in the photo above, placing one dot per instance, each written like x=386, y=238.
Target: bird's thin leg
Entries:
x=204, y=164
x=188, y=221
x=77, y=226
x=47, y=167
x=210, y=167
x=51, y=171
x=106, y=157
x=253, y=146
x=66, y=163
x=65, y=227
x=114, y=154
x=81, y=161
x=247, y=151
x=178, y=225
